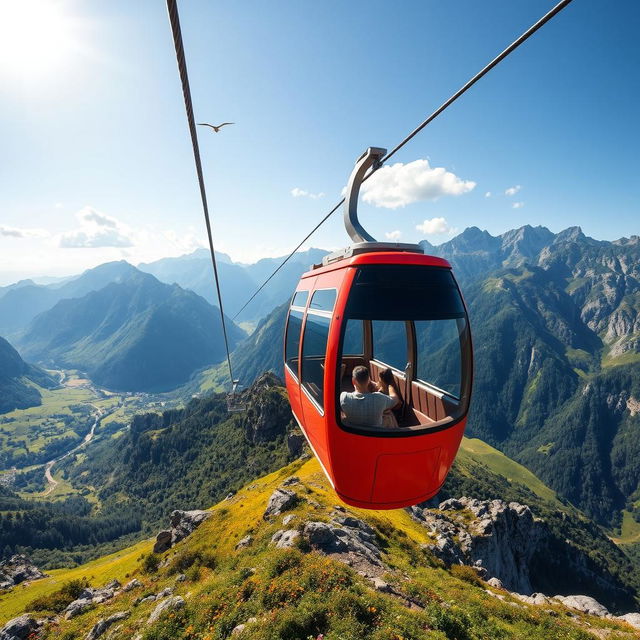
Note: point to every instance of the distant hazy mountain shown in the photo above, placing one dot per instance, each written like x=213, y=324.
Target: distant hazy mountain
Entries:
x=237, y=281
x=136, y=334
x=22, y=302
x=16, y=392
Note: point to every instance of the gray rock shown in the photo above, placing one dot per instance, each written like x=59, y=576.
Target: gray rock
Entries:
x=164, y=593
x=181, y=577
x=133, y=584
x=19, y=628
x=104, y=623
x=535, y=598
x=280, y=500
x=290, y=480
x=631, y=618
x=183, y=523
x=170, y=604
x=380, y=585
x=495, y=583
x=500, y=540
x=244, y=542
x=586, y=604
x=285, y=539
x=352, y=537
x=287, y=519
x=77, y=607
x=17, y=569
x=147, y=598
x=163, y=541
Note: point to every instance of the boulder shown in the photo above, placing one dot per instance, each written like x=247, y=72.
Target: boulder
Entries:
x=631, y=618
x=290, y=480
x=285, y=539
x=164, y=593
x=183, y=523
x=19, y=628
x=288, y=519
x=77, y=607
x=17, y=569
x=586, y=604
x=104, y=623
x=280, y=500
x=170, y=604
x=345, y=535
x=163, y=541
x=241, y=627
x=244, y=542
x=133, y=584
x=495, y=583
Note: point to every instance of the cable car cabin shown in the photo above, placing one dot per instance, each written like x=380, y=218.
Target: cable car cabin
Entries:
x=383, y=309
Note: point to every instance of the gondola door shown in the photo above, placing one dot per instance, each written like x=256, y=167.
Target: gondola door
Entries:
x=317, y=361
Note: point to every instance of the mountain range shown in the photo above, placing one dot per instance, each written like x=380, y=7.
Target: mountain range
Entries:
x=134, y=334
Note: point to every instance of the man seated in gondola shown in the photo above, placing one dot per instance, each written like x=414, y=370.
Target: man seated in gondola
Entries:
x=365, y=407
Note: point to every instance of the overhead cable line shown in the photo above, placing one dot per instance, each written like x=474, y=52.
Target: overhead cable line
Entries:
x=512, y=47
x=172, y=8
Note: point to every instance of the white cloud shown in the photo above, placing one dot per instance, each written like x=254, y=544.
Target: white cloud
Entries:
x=15, y=232
x=511, y=191
x=401, y=184
x=488, y=194
x=435, y=226
x=58, y=205
x=96, y=230
x=301, y=193
x=393, y=235
x=518, y=205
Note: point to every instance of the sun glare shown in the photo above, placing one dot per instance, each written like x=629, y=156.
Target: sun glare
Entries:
x=36, y=37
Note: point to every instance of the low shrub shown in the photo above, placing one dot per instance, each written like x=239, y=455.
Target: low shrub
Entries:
x=59, y=600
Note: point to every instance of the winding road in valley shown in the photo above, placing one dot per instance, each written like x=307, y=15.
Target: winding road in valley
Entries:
x=53, y=483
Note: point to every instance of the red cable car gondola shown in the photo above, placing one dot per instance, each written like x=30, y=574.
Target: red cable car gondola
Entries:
x=381, y=305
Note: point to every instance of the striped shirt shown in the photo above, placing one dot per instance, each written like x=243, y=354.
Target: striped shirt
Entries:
x=365, y=409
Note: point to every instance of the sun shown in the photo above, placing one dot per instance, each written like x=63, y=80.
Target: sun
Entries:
x=37, y=37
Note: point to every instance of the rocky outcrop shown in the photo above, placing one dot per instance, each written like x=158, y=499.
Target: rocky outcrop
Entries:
x=280, y=500
x=345, y=538
x=18, y=569
x=586, y=604
x=90, y=597
x=171, y=604
x=496, y=537
x=267, y=416
x=19, y=628
x=104, y=623
x=183, y=523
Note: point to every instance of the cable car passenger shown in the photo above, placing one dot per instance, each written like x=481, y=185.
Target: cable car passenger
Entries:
x=364, y=407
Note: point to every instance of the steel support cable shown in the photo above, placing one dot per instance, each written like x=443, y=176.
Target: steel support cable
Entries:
x=512, y=47
x=172, y=8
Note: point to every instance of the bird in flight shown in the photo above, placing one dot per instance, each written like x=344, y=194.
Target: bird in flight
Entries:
x=214, y=127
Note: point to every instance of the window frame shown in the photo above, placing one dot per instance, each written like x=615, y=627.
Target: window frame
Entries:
x=324, y=314
x=300, y=309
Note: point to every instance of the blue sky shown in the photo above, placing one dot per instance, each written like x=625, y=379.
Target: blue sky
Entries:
x=95, y=159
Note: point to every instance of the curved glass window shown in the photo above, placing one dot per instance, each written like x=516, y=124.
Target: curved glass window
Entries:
x=292, y=341
x=300, y=299
x=314, y=348
x=323, y=300
x=439, y=354
x=390, y=342
x=353, y=344
x=414, y=323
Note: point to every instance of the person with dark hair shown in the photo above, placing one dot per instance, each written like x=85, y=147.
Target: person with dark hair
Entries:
x=391, y=416
x=365, y=407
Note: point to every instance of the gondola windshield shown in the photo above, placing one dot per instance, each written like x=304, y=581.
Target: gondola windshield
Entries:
x=410, y=319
